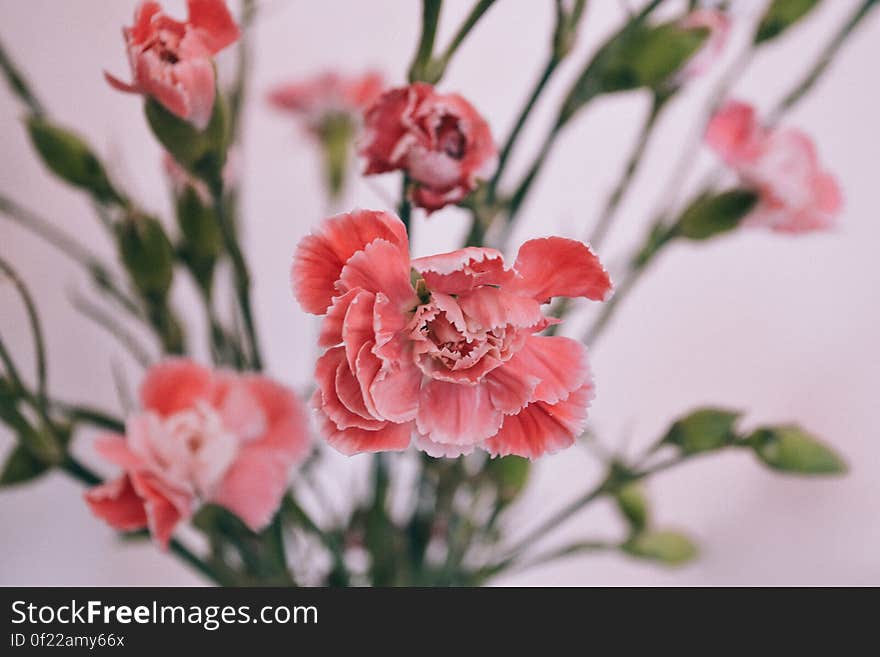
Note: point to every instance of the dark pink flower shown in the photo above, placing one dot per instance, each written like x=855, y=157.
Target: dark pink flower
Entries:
x=443, y=349
x=439, y=140
x=202, y=436
x=327, y=95
x=172, y=61
x=796, y=194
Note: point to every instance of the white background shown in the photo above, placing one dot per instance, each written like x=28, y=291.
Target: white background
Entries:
x=784, y=328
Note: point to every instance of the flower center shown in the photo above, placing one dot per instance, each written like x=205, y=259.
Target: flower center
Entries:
x=450, y=139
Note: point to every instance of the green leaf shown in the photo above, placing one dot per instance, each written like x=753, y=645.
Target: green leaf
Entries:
x=633, y=504
x=711, y=215
x=147, y=254
x=639, y=56
x=509, y=474
x=703, y=430
x=791, y=449
x=20, y=467
x=781, y=15
x=202, y=153
x=665, y=546
x=71, y=159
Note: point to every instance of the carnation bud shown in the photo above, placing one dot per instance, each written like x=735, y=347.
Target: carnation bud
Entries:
x=201, y=240
x=71, y=159
x=710, y=215
x=703, y=430
x=336, y=133
x=147, y=254
x=667, y=547
x=633, y=504
x=791, y=449
x=781, y=15
x=201, y=152
x=20, y=467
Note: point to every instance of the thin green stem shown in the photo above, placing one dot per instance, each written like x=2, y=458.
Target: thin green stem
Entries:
x=476, y=13
x=549, y=68
x=824, y=60
x=418, y=70
x=600, y=231
x=241, y=274
x=404, y=207
x=36, y=331
x=19, y=85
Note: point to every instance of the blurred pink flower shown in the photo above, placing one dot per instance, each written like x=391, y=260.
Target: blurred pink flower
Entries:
x=202, y=436
x=718, y=23
x=440, y=140
x=445, y=347
x=796, y=194
x=326, y=95
x=171, y=61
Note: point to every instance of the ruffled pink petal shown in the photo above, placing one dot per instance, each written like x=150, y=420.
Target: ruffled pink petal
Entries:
x=441, y=450
x=321, y=256
x=511, y=388
x=196, y=78
x=735, y=134
x=143, y=21
x=459, y=271
x=174, y=385
x=357, y=328
x=380, y=267
x=560, y=364
x=287, y=432
x=489, y=307
x=165, y=506
x=333, y=376
x=391, y=437
x=456, y=414
x=213, y=23
x=395, y=391
x=829, y=197
x=116, y=450
x=575, y=270
x=386, y=124
x=253, y=486
x=119, y=85
x=117, y=503
x=542, y=428
x=157, y=79
x=334, y=320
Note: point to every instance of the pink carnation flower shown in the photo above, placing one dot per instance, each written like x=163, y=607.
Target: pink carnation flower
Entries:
x=202, y=436
x=326, y=95
x=171, y=61
x=796, y=194
x=440, y=140
x=444, y=349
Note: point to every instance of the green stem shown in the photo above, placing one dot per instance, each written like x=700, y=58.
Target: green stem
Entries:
x=479, y=8
x=826, y=57
x=404, y=207
x=19, y=85
x=241, y=274
x=418, y=70
x=613, y=203
x=36, y=331
x=549, y=68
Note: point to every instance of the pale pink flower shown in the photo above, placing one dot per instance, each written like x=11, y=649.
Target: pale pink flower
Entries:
x=202, y=436
x=439, y=140
x=327, y=95
x=172, y=61
x=718, y=23
x=796, y=194
x=443, y=349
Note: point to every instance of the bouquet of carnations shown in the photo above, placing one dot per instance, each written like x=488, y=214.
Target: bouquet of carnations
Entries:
x=447, y=375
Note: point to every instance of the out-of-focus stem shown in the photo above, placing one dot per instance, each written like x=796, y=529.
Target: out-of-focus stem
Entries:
x=425, y=49
x=597, y=236
x=36, y=330
x=822, y=62
x=241, y=274
x=18, y=84
x=476, y=13
x=109, y=323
